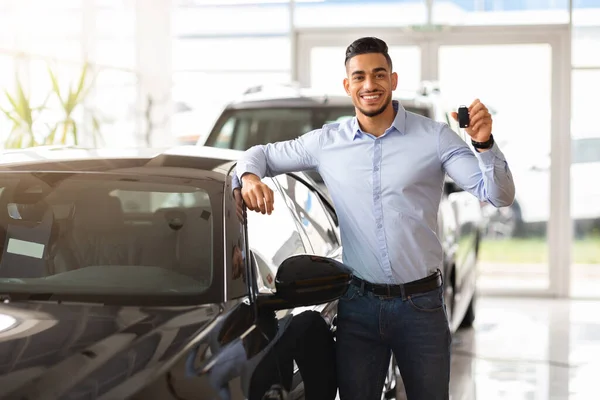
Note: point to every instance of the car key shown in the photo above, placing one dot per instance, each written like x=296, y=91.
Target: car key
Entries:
x=463, y=117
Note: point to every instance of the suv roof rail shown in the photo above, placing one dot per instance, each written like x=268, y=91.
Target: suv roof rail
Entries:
x=264, y=87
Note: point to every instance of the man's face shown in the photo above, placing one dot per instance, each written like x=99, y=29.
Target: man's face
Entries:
x=370, y=83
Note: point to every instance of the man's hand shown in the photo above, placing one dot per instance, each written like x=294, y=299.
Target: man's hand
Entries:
x=480, y=122
x=257, y=195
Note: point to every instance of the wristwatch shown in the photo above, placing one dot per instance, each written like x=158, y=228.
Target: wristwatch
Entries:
x=483, y=145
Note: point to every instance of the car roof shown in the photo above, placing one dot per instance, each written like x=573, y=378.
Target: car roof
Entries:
x=70, y=158
x=286, y=96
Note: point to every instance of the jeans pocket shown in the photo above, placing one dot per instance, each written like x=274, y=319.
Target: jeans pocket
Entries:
x=429, y=301
x=349, y=294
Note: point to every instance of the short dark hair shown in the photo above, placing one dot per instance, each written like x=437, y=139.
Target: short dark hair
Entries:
x=366, y=45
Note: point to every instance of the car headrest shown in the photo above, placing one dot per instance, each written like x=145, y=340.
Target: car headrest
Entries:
x=99, y=212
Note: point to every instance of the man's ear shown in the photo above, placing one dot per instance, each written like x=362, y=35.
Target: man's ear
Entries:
x=347, y=86
x=394, y=80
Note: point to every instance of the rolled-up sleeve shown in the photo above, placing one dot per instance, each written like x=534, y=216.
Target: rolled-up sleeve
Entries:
x=486, y=175
x=273, y=159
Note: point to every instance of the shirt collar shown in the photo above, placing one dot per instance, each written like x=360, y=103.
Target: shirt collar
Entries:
x=399, y=123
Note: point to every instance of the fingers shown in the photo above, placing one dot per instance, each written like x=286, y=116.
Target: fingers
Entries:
x=476, y=107
x=454, y=115
x=479, y=116
x=269, y=200
x=476, y=119
x=259, y=198
x=250, y=200
x=473, y=104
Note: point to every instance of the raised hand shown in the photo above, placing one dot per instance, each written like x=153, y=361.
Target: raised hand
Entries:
x=480, y=121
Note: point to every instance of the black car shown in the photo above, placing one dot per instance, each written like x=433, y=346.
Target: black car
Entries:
x=140, y=276
x=270, y=114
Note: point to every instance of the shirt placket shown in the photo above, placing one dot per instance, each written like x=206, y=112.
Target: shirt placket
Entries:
x=378, y=207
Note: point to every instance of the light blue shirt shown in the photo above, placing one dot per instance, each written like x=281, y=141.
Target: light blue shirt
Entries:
x=386, y=190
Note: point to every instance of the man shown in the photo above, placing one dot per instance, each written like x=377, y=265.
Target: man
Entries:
x=384, y=170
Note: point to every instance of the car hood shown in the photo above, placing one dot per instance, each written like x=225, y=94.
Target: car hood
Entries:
x=82, y=351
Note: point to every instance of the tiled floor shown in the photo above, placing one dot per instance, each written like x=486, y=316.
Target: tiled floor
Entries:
x=534, y=349
x=528, y=349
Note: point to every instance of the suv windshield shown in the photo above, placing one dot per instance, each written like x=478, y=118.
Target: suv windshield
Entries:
x=243, y=128
x=109, y=234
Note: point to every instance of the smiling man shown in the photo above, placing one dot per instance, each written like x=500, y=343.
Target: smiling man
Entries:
x=384, y=170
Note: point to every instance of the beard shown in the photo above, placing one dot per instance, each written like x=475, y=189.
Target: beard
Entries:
x=380, y=110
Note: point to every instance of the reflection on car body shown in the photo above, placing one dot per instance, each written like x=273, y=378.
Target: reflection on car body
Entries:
x=134, y=277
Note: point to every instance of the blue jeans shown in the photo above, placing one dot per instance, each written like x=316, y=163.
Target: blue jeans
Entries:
x=415, y=329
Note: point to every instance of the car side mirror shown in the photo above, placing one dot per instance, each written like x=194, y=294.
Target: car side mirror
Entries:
x=304, y=280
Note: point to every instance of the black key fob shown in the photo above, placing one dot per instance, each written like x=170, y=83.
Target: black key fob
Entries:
x=463, y=117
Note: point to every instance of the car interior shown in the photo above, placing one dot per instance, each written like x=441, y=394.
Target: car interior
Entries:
x=50, y=232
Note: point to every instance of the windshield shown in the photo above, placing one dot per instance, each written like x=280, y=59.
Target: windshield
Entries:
x=98, y=233
x=242, y=129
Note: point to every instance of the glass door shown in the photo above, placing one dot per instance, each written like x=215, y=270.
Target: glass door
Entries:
x=522, y=74
x=514, y=247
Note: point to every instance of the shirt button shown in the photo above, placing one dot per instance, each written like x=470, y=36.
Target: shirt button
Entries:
x=376, y=169
x=379, y=226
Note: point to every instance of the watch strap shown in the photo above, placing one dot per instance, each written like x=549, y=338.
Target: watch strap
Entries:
x=483, y=145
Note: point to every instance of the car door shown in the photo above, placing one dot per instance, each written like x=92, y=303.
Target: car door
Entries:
x=239, y=355
x=315, y=220
x=321, y=235
x=272, y=239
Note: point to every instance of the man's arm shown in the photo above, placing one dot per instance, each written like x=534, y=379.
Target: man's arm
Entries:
x=271, y=160
x=281, y=157
x=485, y=174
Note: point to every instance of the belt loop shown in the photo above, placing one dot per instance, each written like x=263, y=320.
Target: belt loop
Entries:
x=439, y=271
x=402, y=292
x=362, y=287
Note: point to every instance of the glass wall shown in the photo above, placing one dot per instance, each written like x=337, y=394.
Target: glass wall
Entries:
x=514, y=249
x=44, y=45
x=500, y=12
x=585, y=150
x=216, y=61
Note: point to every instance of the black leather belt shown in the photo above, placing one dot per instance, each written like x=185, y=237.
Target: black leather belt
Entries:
x=423, y=285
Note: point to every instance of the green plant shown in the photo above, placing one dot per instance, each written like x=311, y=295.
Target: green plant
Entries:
x=72, y=100
x=22, y=115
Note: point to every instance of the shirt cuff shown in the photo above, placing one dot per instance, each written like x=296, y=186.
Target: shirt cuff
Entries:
x=247, y=169
x=235, y=183
x=488, y=157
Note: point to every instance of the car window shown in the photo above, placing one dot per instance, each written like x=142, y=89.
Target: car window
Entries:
x=244, y=128
x=312, y=214
x=273, y=238
x=241, y=129
x=585, y=151
x=113, y=234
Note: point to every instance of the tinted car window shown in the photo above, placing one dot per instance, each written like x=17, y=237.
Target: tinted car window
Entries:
x=273, y=238
x=312, y=214
x=241, y=129
x=95, y=233
x=244, y=128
